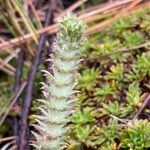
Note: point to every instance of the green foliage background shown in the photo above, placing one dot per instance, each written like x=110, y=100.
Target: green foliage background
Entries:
x=112, y=83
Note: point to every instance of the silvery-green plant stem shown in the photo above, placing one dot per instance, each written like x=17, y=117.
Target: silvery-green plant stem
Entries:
x=59, y=99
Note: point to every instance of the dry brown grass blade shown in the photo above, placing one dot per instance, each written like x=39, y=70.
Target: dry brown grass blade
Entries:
x=96, y=17
x=18, y=29
x=95, y=8
x=13, y=53
x=7, y=139
x=105, y=7
x=105, y=14
x=70, y=9
x=125, y=50
x=100, y=26
x=14, y=147
x=20, y=40
x=25, y=19
x=8, y=145
x=10, y=57
x=53, y=28
x=8, y=66
x=35, y=15
x=134, y=3
x=8, y=71
x=8, y=51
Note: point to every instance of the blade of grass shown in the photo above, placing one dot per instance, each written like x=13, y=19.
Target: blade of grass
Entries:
x=13, y=26
x=8, y=66
x=7, y=24
x=14, y=20
x=12, y=73
x=26, y=19
x=7, y=139
x=38, y=22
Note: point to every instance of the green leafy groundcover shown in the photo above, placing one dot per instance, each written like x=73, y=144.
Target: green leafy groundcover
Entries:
x=112, y=84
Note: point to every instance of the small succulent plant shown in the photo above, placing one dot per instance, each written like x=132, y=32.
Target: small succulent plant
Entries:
x=83, y=133
x=116, y=72
x=133, y=38
x=107, y=134
x=83, y=117
x=103, y=92
x=136, y=135
x=88, y=79
x=59, y=101
x=111, y=108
